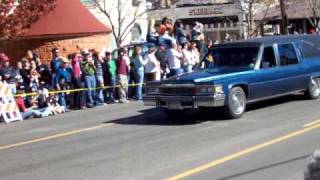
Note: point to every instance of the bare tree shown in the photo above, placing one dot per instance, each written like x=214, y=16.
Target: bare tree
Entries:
x=251, y=8
x=121, y=16
x=314, y=6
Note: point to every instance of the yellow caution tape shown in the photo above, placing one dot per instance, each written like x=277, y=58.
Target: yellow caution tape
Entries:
x=76, y=90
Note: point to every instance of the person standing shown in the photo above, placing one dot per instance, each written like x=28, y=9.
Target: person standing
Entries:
x=89, y=70
x=174, y=60
x=34, y=77
x=44, y=71
x=55, y=62
x=62, y=81
x=25, y=74
x=99, y=77
x=195, y=55
x=152, y=65
x=187, y=58
x=8, y=73
x=129, y=76
x=161, y=55
x=109, y=72
x=138, y=70
x=122, y=76
x=77, y=81
x=19, y=80
x=179, y=34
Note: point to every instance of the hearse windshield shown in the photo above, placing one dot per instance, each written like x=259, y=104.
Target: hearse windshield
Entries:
x=231, y=57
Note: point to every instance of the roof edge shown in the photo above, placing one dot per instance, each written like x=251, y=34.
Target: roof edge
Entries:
x=62, y=35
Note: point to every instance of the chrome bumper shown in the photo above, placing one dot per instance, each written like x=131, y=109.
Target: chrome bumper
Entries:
x=184, y=102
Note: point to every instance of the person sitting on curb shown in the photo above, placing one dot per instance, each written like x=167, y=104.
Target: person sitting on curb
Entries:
x=32, y=111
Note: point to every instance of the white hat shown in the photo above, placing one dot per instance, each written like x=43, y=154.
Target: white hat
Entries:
x=85, y=51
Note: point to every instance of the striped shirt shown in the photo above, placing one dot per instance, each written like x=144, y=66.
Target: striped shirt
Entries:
x=99, y=70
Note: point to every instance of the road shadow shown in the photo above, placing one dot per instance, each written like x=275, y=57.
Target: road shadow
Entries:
x=265, y=167
x=275, y=102
x=159, y=117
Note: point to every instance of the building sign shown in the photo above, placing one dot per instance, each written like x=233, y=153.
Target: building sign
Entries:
x=197, y=12
x=204, y=1
x=205, y=11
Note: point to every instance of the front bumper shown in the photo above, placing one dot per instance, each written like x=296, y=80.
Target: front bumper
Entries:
x=184, y=102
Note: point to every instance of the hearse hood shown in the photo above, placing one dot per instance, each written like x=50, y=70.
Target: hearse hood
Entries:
x=207, y=75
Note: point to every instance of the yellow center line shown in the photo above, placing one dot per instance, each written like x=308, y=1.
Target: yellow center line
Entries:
x=241, y=153
x=55, y=136
x=311, y=124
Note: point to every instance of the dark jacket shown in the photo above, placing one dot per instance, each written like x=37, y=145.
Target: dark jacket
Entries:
x=10, y=72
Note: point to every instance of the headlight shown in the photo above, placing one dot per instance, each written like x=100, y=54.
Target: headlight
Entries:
x=204, y=89
x=218, y=89
x=209, y=89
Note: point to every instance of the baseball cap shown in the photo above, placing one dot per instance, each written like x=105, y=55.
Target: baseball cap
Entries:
x=4, y=57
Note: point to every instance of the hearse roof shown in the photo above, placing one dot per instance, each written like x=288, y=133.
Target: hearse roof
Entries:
x=269, y=40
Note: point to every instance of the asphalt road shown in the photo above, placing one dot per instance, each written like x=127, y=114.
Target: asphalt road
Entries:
x=130, y=141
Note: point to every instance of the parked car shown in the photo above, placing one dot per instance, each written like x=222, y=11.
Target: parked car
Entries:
x=244, y=72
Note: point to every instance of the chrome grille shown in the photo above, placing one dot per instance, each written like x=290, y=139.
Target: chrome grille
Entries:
x=177, y=91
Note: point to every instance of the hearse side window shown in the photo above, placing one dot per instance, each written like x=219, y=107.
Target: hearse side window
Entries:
x=268, y=58
x=309, y=49
x=287, y=54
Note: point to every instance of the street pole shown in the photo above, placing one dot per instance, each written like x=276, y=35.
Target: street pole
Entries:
x=284, y=20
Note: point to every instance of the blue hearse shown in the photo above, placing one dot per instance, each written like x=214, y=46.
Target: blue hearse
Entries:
x=243, y=72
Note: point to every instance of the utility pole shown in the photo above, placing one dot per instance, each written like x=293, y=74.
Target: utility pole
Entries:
x=284, y=19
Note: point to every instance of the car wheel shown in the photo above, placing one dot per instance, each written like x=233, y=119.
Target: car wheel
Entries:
x=237, y=103
x=313, y=91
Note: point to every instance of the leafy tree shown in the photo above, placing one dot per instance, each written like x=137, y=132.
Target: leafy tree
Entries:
x=16, y=16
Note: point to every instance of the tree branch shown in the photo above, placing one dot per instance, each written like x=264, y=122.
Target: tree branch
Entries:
x=107, y=14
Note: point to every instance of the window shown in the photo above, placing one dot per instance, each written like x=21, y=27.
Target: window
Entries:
x=234, y=56
x=268, y=58
x=309, y=49
x=136, y=33
x=136, y=2
x=287, y=54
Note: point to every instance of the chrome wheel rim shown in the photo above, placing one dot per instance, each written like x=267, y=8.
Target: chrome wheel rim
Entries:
x=314, y=87
x=238, y=102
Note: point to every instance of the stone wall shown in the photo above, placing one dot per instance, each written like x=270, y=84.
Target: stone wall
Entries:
x=17, y=49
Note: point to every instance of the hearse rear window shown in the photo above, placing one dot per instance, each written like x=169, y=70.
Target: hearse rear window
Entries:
x=309, y=49
x=287, y=54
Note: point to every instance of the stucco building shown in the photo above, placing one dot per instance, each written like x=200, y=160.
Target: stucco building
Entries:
x=218, y=17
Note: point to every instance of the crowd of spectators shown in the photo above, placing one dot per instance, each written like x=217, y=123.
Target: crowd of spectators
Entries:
x=90, y=78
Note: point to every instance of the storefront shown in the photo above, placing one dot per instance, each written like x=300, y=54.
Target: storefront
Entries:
x=218, y=19
x=300, y=19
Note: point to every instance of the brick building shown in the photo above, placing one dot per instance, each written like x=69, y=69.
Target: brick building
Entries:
x=70, y=27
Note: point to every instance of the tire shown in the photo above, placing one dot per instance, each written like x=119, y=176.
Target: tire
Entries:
x=237, y=103
x=313, y=90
